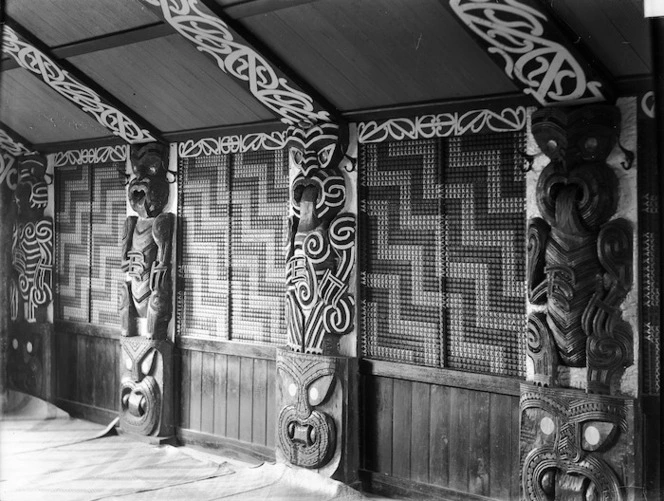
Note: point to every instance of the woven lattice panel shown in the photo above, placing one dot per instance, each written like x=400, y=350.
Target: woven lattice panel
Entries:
x=259, y=225
x=484, y=204
x=204, y=244
x=649, y=254
x=72, y=230
x=108, y=216
x=403, y=255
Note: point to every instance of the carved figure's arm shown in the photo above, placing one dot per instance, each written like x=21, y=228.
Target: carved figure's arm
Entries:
x=127, y=237
x=162, y=232
x=538, y=236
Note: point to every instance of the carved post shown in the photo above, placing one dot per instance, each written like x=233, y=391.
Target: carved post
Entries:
x=29, y=364
x=146, y=392
x=576, y=445
x=317, y=395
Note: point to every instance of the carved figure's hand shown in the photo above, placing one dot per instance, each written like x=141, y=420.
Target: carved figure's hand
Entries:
x=158, y=276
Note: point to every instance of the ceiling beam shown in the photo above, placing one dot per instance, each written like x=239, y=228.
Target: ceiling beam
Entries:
x=534, y=50
x=239, y=55
x=13, y=143
x=250, y=8
x=103, y=42
x=75, y=86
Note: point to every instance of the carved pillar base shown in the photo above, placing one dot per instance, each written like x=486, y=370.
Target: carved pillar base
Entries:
x=30, y=359
x=581, y=446
x=146, y=389
x=317, y=423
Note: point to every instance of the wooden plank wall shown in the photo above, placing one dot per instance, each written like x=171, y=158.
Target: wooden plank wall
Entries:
x=87, y=371
x=452, y=438
x=228, y=395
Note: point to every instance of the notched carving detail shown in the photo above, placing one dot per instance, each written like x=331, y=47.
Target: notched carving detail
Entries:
x=579, y=260
x=575, y=445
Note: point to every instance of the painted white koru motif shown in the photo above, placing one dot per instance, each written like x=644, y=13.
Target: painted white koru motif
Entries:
x=8, y=170
x=86, y=156
x=35, y=61
x=321, y=243
x=231, y=144
x=648, y=104
x=515, y=31
x=443, y=125
x=213, y=37
x=12, y=147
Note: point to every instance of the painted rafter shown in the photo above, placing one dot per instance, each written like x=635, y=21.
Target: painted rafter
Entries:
x=524, y=39
x=13, y=143
x=72, y=85
x=237, y=57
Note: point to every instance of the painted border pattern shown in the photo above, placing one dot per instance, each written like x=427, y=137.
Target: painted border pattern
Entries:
x=231, y=144
x=8, y=170
x=12, y=147
x=102, y=154
x=237, y=59
x=443, y=125
x=524, y=40
x=50, y=72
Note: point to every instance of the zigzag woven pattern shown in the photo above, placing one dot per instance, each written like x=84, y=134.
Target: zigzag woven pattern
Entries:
x=72, y=230
x=484, y=200
x=204, y=247
x=444, y=254
x=259, y=194
x=108, y=215
x=403, y=255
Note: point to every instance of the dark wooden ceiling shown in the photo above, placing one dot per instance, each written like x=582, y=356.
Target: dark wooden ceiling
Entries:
x=362, y=56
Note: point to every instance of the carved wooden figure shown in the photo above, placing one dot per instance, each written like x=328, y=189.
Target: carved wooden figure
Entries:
x=576, y=446
x=32, y=244
x=321, y=243
x=580, y=260
x=146, y=299
x=315, y=427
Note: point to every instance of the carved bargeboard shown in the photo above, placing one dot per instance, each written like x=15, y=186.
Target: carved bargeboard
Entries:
x=576, y=446
x=321, y=243
x=315, y=428
x=579, y=259
x=146, y=386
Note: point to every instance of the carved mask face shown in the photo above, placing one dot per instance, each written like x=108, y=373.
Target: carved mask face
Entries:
x=307, y=437
x=318, y=191
x=25, y=369
x=141, y=387
x=148, y=191
x=31, y=193
x=573, y=446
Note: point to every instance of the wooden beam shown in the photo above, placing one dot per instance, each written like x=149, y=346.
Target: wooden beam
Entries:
x=104, y=42
x=238, y=54
x=534, y=51
x=13, y=143
x=250, y=8
x=72, y=84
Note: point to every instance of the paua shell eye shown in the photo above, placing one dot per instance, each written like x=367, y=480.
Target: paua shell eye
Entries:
x=325, y=155
x=319, y=389
x=297, y=156
x=594, y=434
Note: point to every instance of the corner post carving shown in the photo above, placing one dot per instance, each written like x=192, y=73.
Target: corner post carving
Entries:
x=146, y=392
x=317, y=411
x=30, y=288
x=580, y=442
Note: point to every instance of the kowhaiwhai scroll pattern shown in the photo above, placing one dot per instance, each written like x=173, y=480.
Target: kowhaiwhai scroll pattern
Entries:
x=11, y=146
x=231, y=144
x=99, y=155
x=60, y=80
x=517, y=34
x=236, y=58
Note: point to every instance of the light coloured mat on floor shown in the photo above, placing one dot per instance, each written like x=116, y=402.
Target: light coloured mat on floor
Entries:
x=44, y=454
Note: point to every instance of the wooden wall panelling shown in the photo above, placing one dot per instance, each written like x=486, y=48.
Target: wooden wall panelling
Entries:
x=246, y=400
x=220, y=375
x=259, y=404
x=208, y=392
x=195, y=387
x=185, y=390
x=426, y=438
x=233, y=398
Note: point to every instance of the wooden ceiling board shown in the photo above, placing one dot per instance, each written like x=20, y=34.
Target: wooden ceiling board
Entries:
x=41, y=115
x=615, y=31
x=171, y=85
x=373, y=53
x=60, y=22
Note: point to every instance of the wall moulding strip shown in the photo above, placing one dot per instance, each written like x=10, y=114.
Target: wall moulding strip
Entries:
x=225, y=347
x=444, y=125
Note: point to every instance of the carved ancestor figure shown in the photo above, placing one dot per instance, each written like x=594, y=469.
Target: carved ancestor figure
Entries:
x=321, y=243
x=580, y=260
x=147, y=244
x=32, y=244
x=576, y=446
x=146, y=381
